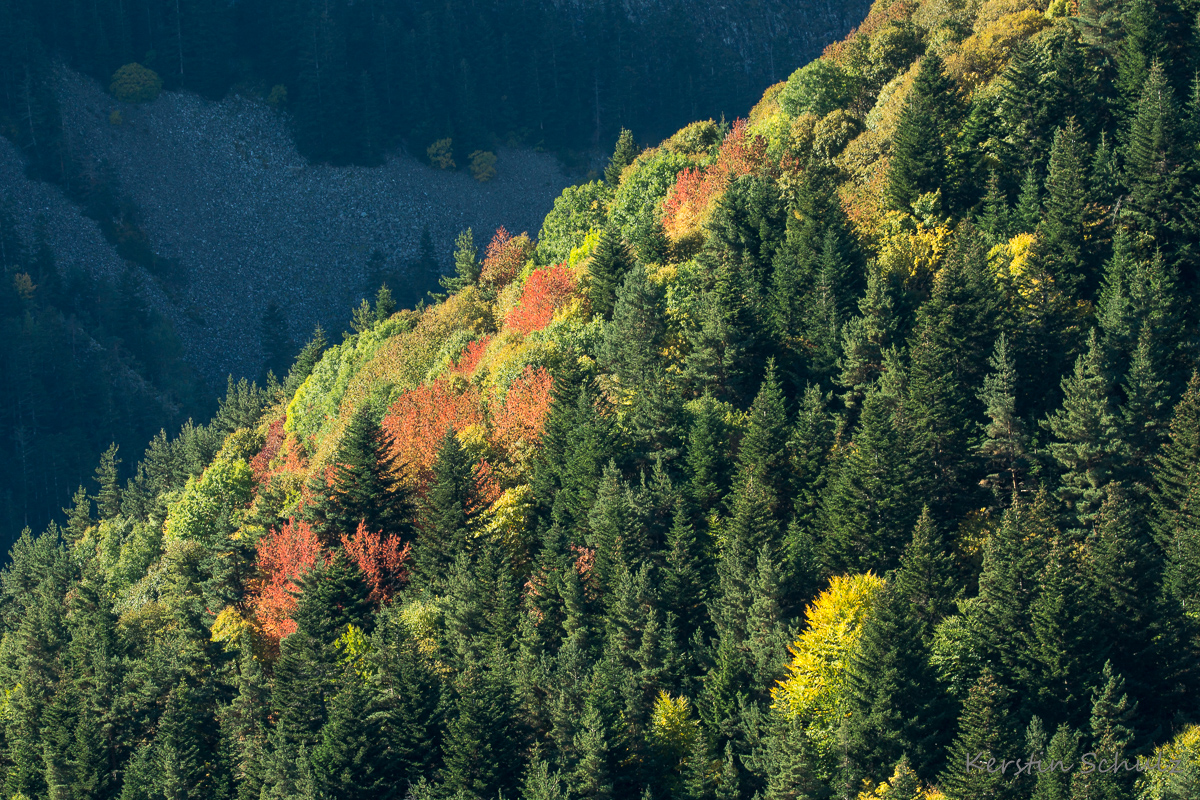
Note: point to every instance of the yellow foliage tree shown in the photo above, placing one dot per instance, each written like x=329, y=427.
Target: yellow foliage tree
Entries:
x=1171, y=772
x=134, y=83
x=441, y=154
x=483, y=165
x=815, y=687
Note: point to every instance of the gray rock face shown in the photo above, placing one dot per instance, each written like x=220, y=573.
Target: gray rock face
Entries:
x=221, y=190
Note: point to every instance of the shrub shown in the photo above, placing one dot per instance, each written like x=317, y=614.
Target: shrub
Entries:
x=115, y=118
x=441, y=154
x=134, y=83
x=483, y=165
x=278, y=96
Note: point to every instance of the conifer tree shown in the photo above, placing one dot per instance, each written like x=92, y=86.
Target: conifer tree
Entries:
x=762, y=455
x=707, y=464
x=1175, y=467
x=686, y=572
x=1140, y=48
x=466, y=263
x=865, y=340
x=478, y=751
x=872, y=500
x=924, y=135
x=1087, y=435
x=610, y=262
x=445, y=518
x=1005, y=441
x=1012, y=556
x=108, y=499
x=954, y=331
x=346, y=758
x=1061, y=757
x=623, y=155
x=1111, y=737
x=364, y=487
x=996, y=218
x=1062, y=229
x=1152, y=162
x=897, y=706
x=1028, y=213
x=1060, y=640
x=308, y=357
x=79, y=514
x=591, y=778
x=982, y=735
x=811, y=445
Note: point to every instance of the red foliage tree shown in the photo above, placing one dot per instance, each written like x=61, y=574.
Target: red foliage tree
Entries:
x=469, y=359
x=695, y=189
x=382, y=560
x=487, y=488
x=546, y=291
x=504, y=257
x=283, y=557
x=260, y=465
x=517, y=425
x=419, y=419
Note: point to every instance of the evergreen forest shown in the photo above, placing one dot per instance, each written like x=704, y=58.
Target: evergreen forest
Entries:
x=849, y=448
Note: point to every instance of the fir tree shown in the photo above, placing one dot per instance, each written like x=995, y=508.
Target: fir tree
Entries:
x=1140, y=48
x=364, y=488
x=1062, y=229
x=871, y=501
x=923, y=136
x=610, y=262
x=466, y=263
x=1061, y=758
x=865, y=340
x=623, y=155
x=1175, y=467
x=591, y=778
x=982, y=736
x=1028, y=213
x=897, y=706
x=1005, y=441
x=445, y=518
x=108, y=499
x=1088, y=435
x=1111, y=737
x=1151, y=161
x=996, y=218
x=308, y=357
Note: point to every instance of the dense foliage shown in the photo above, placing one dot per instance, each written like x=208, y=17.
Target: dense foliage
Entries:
x=824, y=454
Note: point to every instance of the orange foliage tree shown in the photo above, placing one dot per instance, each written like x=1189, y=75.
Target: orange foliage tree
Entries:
x=283, y=557
x=517, y=425
x=691, y=200
x=504, y=258
x=419, y=419
x=469, y=360
x=383, y=561
x=546, y=291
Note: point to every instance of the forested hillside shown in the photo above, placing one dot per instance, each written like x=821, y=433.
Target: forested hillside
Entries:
x=845, y=450
x=360, y=76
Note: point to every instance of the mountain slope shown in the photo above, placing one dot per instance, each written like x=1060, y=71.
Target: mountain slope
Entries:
x=809, y=456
